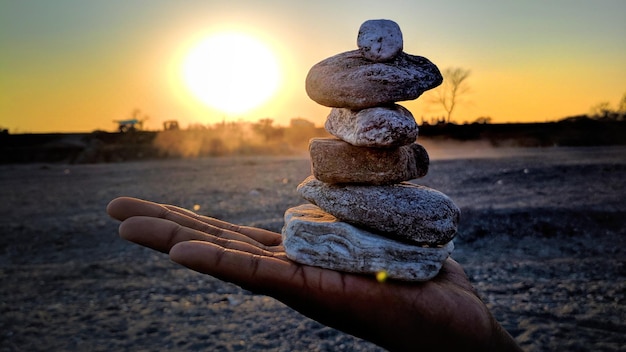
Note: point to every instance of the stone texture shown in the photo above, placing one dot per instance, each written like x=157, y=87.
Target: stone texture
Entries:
x=380, y=40
x=389, y=126
x=348, y=80
x=314, y=237
x=403, y=211
x=335, y=161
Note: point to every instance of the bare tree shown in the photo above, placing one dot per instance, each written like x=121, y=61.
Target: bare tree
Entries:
x=453, y=87
x=604, y=111
x=601, y=110
x=621, y=106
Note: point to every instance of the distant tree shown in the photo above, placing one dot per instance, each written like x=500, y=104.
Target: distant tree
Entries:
x=264, y=127
x=173, y=125
x=482, y=120
x=601, y=110
x=621, y=107
x=604, y=110
x=454, y=86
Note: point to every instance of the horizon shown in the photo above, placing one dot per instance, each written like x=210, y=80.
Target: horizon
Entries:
x=619, y=118
x=74, y=67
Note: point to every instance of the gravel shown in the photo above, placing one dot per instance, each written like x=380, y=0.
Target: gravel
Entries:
x=541, y=238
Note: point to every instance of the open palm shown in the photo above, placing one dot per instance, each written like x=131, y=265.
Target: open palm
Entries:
x=444, y=313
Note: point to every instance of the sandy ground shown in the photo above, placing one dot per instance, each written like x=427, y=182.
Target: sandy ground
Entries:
x=542, y=238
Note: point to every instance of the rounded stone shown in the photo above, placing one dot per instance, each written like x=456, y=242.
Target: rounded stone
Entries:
x=380, y=40
x=335, y=161
x=403, y=211
x=314, y=237
x=348, y=80
x=377, y=127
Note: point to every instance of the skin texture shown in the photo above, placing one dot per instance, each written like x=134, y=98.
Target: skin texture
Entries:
x=443, y=314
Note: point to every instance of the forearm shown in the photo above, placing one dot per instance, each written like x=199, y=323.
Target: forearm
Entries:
x=501, y=340
x=474, y=335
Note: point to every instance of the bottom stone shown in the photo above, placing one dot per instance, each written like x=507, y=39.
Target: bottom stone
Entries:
x=314, y=237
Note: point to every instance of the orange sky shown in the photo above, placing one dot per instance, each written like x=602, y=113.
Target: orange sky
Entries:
x=75, y=66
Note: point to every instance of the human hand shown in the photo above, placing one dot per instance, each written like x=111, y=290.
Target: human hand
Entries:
x=444, y=313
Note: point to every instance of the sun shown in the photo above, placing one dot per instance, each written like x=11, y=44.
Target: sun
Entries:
x=232, y=72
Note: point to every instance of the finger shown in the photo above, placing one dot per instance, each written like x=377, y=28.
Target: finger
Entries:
x=260, y=273
x=265, y=237
x=156, y=233
x=125, y=207
x=162, y=234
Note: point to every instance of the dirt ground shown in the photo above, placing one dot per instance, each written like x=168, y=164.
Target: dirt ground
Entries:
x=541, y=237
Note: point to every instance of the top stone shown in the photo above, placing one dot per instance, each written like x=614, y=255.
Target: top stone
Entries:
x=380, y=40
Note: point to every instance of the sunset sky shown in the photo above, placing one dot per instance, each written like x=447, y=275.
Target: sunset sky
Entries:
x=75, y=66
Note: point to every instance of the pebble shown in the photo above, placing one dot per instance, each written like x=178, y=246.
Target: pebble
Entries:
x=314, y=237
x=348, y=80
x=382, y=126
x=336, y=161
x=380, y=40
x=403, y=211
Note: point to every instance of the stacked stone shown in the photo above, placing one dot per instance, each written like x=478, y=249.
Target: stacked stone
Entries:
x=364, y=217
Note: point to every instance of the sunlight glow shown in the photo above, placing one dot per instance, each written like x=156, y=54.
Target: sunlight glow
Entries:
x=232, y=72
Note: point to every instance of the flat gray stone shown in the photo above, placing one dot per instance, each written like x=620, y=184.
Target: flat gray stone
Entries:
x=380, y=40
x=314, y=237
x=379, y=127
x=348, y=80
x=402, y=211
x=335, y=161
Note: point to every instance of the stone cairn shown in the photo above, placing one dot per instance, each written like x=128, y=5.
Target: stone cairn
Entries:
x=364, y=217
